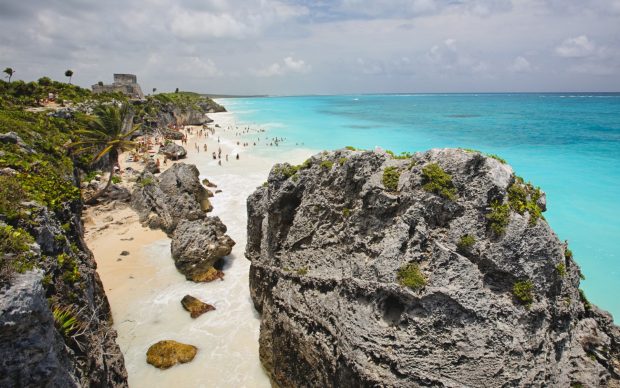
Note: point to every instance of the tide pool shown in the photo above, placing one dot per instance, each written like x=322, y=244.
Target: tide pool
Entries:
x=568, y=144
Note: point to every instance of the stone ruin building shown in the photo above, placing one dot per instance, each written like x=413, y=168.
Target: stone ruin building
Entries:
x=123, y=83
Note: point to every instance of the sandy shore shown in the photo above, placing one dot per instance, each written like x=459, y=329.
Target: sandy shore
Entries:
x=145, y=289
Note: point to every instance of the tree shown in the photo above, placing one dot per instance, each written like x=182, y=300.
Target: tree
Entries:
x=9, y=72
x=109, y=134
x=176, y=90
x=154, y=90
x=69, y=73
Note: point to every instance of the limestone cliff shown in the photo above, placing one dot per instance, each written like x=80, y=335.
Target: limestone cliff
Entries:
x=436, y=269
x=55, y=321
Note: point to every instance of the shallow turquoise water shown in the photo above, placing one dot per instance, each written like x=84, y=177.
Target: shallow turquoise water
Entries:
x=568, y=144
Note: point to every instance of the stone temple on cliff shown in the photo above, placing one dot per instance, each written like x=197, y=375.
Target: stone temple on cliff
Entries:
x=123, y=83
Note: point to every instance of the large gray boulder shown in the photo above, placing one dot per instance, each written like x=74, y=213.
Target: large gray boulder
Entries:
x=161, y=202
x=33, y=352
x=334, y=242
x=173, y=151
x=197, y=245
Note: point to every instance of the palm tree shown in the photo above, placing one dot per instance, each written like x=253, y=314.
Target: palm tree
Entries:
x=69, y=73
x=109, y=134
x=9, y=72
x=154, y=90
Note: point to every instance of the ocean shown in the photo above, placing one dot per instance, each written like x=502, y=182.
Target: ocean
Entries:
x=566, y=143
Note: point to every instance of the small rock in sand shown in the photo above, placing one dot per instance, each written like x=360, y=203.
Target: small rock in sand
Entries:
x=195, y=306
x=165, y=354
x=125, y=253
x=218, y=191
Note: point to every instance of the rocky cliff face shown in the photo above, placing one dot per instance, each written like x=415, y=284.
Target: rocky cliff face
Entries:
x=432, y=270
x=55, y=322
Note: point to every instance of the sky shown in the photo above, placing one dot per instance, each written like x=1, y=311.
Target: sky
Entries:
x=288, y=47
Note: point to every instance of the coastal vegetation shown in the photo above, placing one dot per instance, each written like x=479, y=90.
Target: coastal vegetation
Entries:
x=409, y=275
x=437, y=181
x=391, y=176
x=109, y=133
x=498, y=217
x=465, y=243
x=9, y=73
x=524, y=197
x=523, y=291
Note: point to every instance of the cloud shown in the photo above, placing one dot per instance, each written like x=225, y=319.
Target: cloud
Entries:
x=287, y=66
x=578, y=47
x=219, y=19
x=390, y=67
x=197, y=67
x=447, y=58
x=247, y=46
x=520, y=65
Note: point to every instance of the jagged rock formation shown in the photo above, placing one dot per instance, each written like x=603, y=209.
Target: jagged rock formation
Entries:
x=197, y=245
x=177, y=203
x=39, y=358
x=492, y=295
x=161, y=202
x=173, y=151
x=34, y=348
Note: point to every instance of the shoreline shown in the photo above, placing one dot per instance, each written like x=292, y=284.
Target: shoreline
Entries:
x=144, y=288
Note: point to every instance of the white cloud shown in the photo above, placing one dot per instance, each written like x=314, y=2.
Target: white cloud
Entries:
x=520, y=65
x=217, y=19
x=287, y=66
x=447, y=58
x=577, y=47
x=198, y=68
x=206, y=25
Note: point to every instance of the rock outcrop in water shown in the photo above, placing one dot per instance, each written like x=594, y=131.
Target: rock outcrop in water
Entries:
x=177, y=203
x=197, y=245
x=432, y=270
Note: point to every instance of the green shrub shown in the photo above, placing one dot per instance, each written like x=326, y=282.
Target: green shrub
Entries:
x=11, y=194
x=148, y=181
x=327, y=164
x=568, y=254
x=116, y=179
x=499, y=217
x=342, y=161
x=295, y=178
x=501, y=160
x=466, y=242
x=350, y=148
x=302, y=271
x=522, y=197
x=91, y=175
x=409, y=275
x=306, y=164
x=65, y=319
x=15, y=254
x=391, y=175
x=346, y=211
x=584, y=300
x=470, y=150
x=437, y=181
x=522, y=290
x=561, y=268
x=403, y=155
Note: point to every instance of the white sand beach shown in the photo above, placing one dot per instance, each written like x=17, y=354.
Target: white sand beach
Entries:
x=145, y=289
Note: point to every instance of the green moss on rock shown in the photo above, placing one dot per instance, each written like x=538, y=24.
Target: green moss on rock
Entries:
x=409, y=275
x=437, y=181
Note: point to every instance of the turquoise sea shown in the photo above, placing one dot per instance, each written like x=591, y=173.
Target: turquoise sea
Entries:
x=566, y=143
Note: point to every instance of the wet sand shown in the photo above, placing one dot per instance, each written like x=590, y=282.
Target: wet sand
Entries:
x=145, y=289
